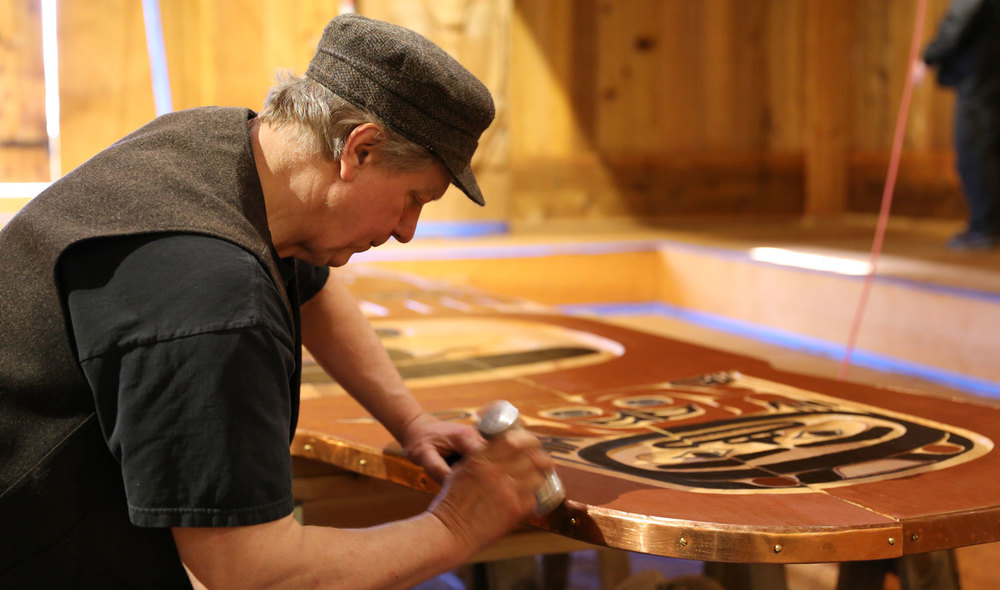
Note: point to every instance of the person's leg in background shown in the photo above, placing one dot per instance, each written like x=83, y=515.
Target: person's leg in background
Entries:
x=977, y=158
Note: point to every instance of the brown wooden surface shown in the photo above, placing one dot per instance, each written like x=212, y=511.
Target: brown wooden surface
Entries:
x=875, y=516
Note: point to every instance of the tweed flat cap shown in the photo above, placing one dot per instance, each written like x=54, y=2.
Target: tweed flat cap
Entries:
x=412, y=85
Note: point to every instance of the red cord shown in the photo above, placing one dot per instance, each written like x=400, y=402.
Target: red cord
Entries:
x=890, y=186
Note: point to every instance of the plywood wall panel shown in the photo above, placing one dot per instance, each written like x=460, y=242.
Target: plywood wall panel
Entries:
x=224, y=52
x=23, y=141
x=716, y=81
x=604, y=107
x=227, y=52
x=104, y=81
x=782, y=79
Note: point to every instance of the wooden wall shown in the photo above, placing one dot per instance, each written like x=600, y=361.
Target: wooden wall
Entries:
x=665, y=107
x=104, y=81
x=606, y=108
x=23, y=141
x=218, y=53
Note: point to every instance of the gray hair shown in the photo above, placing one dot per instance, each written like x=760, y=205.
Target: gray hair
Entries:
x=324, y=121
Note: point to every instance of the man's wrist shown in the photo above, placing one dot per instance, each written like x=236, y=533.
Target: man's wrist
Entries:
x=412, y=426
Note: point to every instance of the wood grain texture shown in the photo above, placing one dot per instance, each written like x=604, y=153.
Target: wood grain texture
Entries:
x=602, y=105
x=675, y=449
x=23, y=139
x=104, y=81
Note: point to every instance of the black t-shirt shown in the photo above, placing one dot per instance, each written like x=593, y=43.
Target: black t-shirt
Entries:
x=189, y=352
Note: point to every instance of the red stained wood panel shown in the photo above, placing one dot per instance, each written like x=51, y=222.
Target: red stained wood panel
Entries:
x=674, y=449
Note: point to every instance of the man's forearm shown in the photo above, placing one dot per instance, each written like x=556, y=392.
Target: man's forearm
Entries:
x=342, y=341
x=487, y=494
x=284, y=554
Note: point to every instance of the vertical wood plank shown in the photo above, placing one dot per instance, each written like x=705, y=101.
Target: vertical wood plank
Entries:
x=871, y=120
x=828, y=87
x=751, y=76
x=785, y=61
x=718, y=46
x=104, y=82
x=541, y=106
x=650, y=71
x=23, y=139
x=932, y=109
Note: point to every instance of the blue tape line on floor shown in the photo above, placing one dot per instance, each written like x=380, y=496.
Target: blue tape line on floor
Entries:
x=792, y=341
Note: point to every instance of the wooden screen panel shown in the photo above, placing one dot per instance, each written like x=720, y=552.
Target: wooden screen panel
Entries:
x=938, y=509
x=675, y=449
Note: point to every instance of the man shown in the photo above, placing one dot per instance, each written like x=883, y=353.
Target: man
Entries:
x=150, y=330
x=966, y=55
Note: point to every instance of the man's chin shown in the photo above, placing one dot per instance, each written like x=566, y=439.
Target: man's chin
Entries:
x=339, y=259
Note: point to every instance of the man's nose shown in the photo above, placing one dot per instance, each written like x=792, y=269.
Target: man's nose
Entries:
x=407, y=224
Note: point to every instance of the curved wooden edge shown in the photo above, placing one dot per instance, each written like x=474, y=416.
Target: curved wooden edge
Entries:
x=703, y=541
x=631, y=532
x=363, y=460
x=948, y=531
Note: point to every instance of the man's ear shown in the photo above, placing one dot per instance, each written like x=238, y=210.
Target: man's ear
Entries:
x=360, y=149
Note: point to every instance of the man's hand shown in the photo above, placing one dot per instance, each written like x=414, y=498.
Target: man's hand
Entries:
x=427, y=441
x=492, y=490
x=489, y=492
x=342, y=341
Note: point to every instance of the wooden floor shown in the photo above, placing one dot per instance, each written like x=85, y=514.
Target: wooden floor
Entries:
x=931, y=309
x=913, y=249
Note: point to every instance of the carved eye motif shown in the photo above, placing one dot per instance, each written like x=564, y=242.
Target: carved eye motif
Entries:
x=572, y=413
x=644, y=401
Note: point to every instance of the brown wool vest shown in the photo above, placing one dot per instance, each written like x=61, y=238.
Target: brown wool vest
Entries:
x=191, y=171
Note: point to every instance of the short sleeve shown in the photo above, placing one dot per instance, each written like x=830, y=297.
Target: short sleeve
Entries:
x=189, y=353
x=311, y=279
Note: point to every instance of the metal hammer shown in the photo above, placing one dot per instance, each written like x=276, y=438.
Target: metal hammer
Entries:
x=501, y=416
